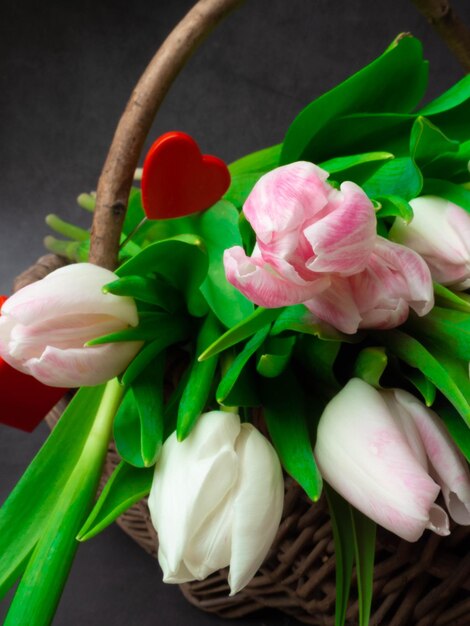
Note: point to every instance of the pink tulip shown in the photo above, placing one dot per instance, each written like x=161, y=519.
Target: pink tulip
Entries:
x=440, y=233
x=44, y=328
x=305, y=230
x=395, y=279
x=390, y=456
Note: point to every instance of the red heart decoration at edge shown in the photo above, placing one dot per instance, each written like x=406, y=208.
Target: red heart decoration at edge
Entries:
x=178, y=180
x=24, y=401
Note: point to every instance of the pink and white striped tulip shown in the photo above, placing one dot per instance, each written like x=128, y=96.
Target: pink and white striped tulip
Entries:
x=440, y=233
x=44, y=328
x=305, y=230
x=395, y=279
x=216, y=500
x=390, y=456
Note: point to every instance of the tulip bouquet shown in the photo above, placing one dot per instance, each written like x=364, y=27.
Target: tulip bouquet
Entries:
x=307, y=313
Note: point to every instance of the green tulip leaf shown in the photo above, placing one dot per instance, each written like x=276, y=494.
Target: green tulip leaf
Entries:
x=248, y=327
x=240, y=188
x=394, y=206
x=181, y=260
x=260, y=161
x=298, y=319
x=247, y=233
x=233, y=373
x=273, y=362
x=149, y=290
x=173, y=331
x=451, y=299
x=363, y=133
x=218, y=228
x=452, y=98
x=447, y=329
x=412, y=352
x=151, y=325
x=244, y=392
x=138, y=426
x=318, y=357
x=427, y=141
x=201, y=377
x=370, y=365
x=345, y=163
x=343, y=537
x=452, y=166
x=135, y=211
x=422, y=384
x=364, y=531
x=459, y=432
x=444, y=189
x=26, y=511
x=284, y=407
x=395, y=82
x=399, y=177
x=41, y=585
x=126, y=486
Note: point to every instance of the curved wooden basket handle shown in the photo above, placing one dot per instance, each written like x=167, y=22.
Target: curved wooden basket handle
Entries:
x=116, y=178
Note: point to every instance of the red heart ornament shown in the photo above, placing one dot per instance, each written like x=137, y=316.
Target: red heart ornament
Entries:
x=178, y=180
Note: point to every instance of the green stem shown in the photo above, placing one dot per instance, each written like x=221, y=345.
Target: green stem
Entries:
x=66, y=229
x=41, y=586
x=87, y=201
x=73, y=250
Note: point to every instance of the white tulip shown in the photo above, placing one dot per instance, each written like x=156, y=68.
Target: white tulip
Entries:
x=389, y=456
x=216, y=500
x=44, y=328
x=440, y=233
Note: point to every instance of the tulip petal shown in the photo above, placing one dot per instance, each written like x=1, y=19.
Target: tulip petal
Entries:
x=440, y=232
x=82, y=367
x=343, y=240
x=417, y=287
x=284, y=198
x=260, y=283
x=6, y=327
x=68, y=332
x=365, y=455
x=337, y=306
x=257, y=506
x=70, y=290
x=191, y=480
x=450, y=469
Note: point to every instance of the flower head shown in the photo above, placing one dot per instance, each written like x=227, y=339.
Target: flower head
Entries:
x=305, y=229
x=390, y=456
x=440, y=233
x=44, y=328
x=216, y=500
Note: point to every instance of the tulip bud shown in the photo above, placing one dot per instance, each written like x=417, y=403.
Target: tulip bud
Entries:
x=389, y=456
x=440, y=233
x=216, y=500
x=44, y=328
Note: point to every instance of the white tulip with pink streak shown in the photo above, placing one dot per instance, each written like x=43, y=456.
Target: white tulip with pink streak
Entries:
x=44, y=328
x=390, y=456
x=440, y=233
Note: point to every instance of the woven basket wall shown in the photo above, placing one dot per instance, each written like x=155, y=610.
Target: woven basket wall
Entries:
x=417, y=584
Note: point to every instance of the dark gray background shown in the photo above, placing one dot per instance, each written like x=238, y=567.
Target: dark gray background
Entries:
x=66, y=71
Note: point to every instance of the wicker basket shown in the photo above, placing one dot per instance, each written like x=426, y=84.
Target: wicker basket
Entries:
x=424, y=583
